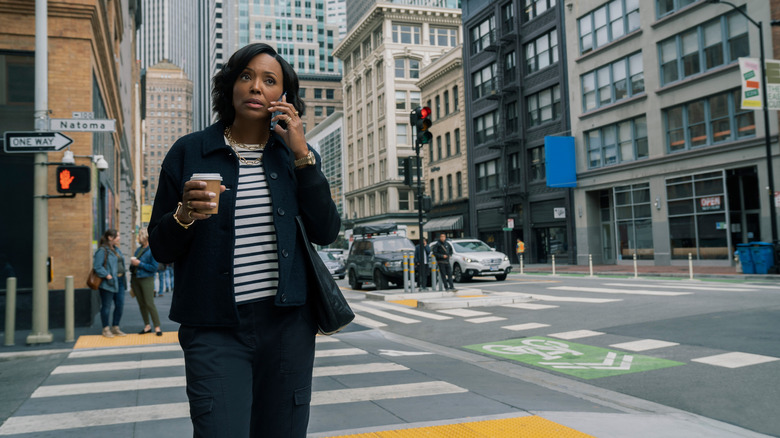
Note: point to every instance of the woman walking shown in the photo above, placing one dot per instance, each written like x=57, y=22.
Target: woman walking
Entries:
x=240, y=289
x=109, y=265
x=142, y=283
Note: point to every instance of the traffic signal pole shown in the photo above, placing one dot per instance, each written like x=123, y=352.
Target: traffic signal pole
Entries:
x=40, y=293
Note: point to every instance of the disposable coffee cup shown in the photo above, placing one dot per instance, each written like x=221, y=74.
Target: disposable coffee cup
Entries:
x=213, y=181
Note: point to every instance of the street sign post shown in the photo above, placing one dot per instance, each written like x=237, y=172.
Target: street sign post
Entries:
x=83, y=125
x=35, y=141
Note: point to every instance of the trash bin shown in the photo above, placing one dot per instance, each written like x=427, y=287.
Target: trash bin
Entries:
x=746, y=258
x=763, y=255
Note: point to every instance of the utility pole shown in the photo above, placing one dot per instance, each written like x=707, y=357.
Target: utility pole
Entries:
x=40, y=295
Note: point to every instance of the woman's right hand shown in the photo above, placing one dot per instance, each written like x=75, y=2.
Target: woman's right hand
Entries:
x=109, y=277
x=194, y=198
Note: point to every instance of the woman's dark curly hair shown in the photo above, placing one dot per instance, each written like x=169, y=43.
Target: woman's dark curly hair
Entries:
x=222, y=91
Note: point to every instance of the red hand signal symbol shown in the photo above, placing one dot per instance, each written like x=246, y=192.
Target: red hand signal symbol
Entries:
x=65, y=179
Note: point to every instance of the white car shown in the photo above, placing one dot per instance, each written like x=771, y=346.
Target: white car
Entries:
x=474, y=258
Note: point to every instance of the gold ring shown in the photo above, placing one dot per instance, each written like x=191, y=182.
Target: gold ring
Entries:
x=289, y=119
x=296, y=113
x=189, y=214
x=189, y=205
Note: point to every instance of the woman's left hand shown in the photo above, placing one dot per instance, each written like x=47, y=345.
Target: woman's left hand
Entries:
x=293, y=136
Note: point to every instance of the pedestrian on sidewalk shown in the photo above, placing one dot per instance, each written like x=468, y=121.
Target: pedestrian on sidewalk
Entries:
x=443, y=252
x=109, y=264
x=421, y=260
x=143, y=267
x=241, y=283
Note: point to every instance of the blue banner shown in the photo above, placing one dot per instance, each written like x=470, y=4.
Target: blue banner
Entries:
x=561, y=168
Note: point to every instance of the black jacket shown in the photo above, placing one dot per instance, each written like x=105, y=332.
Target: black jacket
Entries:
x=203, y=286
x=442, y=249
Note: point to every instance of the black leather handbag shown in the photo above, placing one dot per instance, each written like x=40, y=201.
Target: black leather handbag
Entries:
x=330, y=307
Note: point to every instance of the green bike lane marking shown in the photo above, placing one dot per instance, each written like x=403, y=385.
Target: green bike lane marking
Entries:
x=583, y=361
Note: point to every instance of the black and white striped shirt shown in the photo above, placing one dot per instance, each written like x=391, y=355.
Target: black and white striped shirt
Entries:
x=255, y=260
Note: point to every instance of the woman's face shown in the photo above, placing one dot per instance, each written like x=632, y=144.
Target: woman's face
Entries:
x=259, y=84
x=114, y=241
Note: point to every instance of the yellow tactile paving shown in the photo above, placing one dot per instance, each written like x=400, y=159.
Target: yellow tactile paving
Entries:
x=519, y=427
x=99, y=341
x=410, y=303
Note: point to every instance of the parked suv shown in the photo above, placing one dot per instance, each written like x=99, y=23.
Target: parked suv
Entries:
x=377, y=259
x=474, y=258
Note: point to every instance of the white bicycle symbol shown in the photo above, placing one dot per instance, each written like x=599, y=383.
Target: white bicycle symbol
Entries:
x=548, y=350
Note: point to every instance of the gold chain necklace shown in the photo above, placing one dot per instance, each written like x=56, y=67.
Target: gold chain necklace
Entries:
x=235, y=145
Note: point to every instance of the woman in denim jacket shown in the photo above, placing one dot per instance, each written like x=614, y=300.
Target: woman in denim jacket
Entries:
x=143, y=267
x=109, y=265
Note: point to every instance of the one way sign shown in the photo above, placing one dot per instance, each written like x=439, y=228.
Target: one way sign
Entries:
x=35, y=141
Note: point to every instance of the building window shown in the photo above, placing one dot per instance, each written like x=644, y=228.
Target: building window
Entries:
x=446, y=102
x=406, y=34
x=438, y=107
x=318, y=93
x=607, y=23
x=430, y=152
x=536, y=170
x=443, y=37
x=633, y=221
x=414, y=99
x=457, y=141
x=508, y=17
x=400, y=134
x=455, y=99
x=532, y=8
x=664, y=7
x=707, y=121
x=712, y=44
x=620, y=80
x=483, y=35
x=485, y=127
x=400, y=100
x=541, y=52
x=510, y=67
x=441, y=189
x=484, y=81
x=448, y=144
x=459, y=184
x=697, y=216
x=514, y=168
x=433, y=191
x=438, y=147
x=403, y=200
x=512, y=118
x=407, y=68
x=544, y=106
x=449, y=187
x=487, y=175
x=367, y=46
x=380, y=73
x=619, y=143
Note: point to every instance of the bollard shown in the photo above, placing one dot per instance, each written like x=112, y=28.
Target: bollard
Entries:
x=69, y=302
x=636, y=273
x=411, y=274
x=690, y=266
x=590, y=264
x=406, y=273
x=553, y=265
x=10, y=310
x=521, y=264
x=434, y=275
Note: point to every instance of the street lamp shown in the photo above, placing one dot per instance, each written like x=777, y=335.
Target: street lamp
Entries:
x=770, y=173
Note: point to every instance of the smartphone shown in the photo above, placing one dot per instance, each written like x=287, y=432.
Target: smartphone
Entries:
x=276, y=113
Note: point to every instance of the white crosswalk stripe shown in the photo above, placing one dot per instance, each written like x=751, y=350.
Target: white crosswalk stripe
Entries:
x=74, y=378
x=678, y=286
x=383, y=314
x=603, y=290
x=403, y=309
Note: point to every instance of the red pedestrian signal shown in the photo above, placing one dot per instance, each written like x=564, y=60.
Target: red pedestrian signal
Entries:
x=74, y=179
x=421, y=118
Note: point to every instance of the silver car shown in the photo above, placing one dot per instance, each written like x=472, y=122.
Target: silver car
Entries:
x=474, y=258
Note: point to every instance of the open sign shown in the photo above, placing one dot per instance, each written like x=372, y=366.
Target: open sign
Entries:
x=710, y=203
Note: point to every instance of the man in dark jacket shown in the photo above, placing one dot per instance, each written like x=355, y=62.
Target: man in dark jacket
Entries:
x=443, y=252
x=421, y=261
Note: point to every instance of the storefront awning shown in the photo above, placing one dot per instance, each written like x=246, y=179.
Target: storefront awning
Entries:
x=444, y=224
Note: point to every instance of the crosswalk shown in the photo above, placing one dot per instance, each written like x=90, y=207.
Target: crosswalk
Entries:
x=113, y=377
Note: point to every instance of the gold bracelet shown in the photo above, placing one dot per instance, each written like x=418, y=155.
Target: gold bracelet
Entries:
x=176, y=218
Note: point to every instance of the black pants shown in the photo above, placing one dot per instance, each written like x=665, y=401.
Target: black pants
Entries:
x=254, y=380
x=422, y=270
x=446, y=273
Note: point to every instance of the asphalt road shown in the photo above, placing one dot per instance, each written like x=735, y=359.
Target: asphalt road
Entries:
x=717, y=356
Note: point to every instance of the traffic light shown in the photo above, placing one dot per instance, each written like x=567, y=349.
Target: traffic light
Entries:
x=427, y=203
x=421, y=118
x=74, y=179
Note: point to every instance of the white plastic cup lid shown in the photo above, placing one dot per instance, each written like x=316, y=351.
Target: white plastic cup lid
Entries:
x=206, y=177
